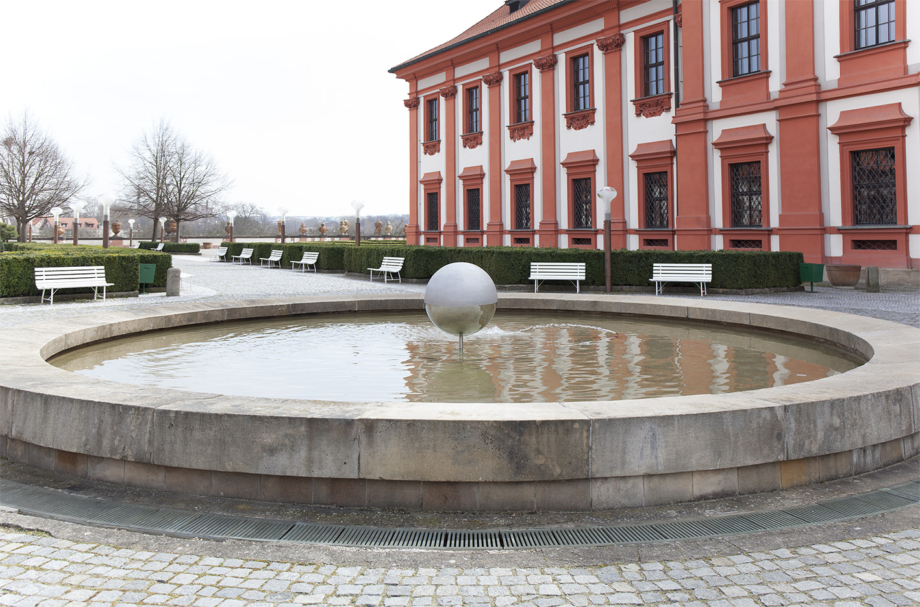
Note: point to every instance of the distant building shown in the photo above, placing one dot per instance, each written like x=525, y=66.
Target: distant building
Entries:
x=771, y=125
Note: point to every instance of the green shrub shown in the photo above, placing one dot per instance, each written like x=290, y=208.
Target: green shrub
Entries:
x=17, y=268
x=511, y=265
x=172, y=247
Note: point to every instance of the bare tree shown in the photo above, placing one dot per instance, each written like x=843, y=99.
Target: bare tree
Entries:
x=194, y=185
x=34, y=174
x=146, y=177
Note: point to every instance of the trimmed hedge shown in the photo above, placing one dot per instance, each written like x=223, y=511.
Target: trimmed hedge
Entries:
x=17, y=268
x=508, y=266
x=172, y=247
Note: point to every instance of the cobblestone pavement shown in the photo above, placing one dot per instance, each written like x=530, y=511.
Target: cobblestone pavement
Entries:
x=878, y=569
x=36, y=569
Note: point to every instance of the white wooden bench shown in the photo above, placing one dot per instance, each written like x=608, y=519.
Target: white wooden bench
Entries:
x=309, y=259
x=52, y=279
x=697, y=273
x=573, y=272
x=221, y=254
x=388, y=267
x=160, y=246
x=273, y=257
x=245, y=255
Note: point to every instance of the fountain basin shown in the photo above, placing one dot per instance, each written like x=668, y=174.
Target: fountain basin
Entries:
x=437, y=456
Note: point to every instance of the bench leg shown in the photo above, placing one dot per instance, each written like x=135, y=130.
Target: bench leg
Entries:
x=536, y=284
x=577, y=287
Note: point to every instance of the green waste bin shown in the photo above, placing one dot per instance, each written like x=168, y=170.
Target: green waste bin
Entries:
x=811, y=272
x=146, y=272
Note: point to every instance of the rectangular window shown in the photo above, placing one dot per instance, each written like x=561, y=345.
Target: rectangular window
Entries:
x=656, y=200
x=874, y=187
x=746, y=39
x=472, y=110
x=746, y=196
x=432, y=212
x=522, y=206
x=874, y=22
x=473, y=209
x=522, y=97
x=654, y=64
x=581, y=192
x=582, y=98
x=431, y=132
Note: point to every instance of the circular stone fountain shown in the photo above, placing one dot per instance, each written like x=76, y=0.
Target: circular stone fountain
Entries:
x=476, y=457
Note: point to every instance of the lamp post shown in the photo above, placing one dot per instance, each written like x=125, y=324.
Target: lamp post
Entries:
x=131, y=233
x=162, y=228
x=607, y=194
x=231, y=215
x=106, y=201
x=56, y=212
x=357, y=205
x=77, y=207
x=284, y=212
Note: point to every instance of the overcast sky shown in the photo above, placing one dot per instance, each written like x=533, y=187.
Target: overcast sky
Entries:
x=291, y=99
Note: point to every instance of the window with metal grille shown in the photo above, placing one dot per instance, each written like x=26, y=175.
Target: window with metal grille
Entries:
x=473, y=212
x=656, y=242
x=654, y=64
x=656, y=200
x=431, y=133
x=582, y=242
x=581, y=190
x=746, y=244
x=746, y=39
x=522, y=206
x=432, y=212
x=521, y=241
x=582, y=98
x=874, y=22
x=874, y=187
x=875, y=245
x=522, y=97
x=746, y=198
x=472, y=108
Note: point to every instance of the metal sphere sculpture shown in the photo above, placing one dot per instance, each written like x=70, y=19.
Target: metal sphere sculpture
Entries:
x=461, y=299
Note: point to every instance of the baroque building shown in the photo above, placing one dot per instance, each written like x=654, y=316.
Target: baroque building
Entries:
x=769, y=125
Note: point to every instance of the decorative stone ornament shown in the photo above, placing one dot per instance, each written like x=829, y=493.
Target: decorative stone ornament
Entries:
x=430, y=148
x=520, y=131
x=579, y=120
x=471, y=141
x=492, y=79
x=448, y=92
x=302, y=229
x=388, y=229
x=378, y=227
x=611, y=43
x=653, y=107
x=545, y=63
x=411, y=103
x=171, y=226
x=343, y=227
x=323, y=229
x=116, y=227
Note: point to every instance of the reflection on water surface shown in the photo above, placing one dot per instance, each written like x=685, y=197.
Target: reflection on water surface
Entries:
x=403, y=357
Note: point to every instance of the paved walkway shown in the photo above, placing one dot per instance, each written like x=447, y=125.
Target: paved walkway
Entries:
x=874, y=561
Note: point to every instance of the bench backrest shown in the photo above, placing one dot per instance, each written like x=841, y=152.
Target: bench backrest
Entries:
x=569, y=270
x=72, y=273
x=685, y=270
x=221, y=251
x=310, y=256
x=246, y=253
x=160, y=247
x=275, y=254
x=392, y=263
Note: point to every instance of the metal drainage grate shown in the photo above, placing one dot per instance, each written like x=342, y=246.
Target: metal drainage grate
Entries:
x=66, y=506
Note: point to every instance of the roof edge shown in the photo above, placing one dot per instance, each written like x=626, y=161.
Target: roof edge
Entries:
x=431, y=54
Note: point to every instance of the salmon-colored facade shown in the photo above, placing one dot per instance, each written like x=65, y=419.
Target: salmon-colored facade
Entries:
x=770, y=125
